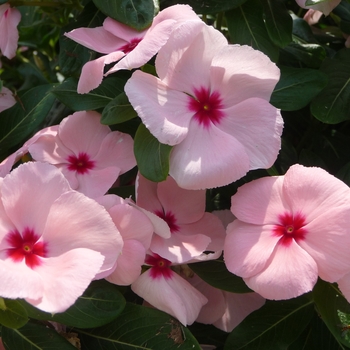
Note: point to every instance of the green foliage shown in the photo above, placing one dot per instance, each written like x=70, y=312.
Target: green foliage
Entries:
x=12, y=314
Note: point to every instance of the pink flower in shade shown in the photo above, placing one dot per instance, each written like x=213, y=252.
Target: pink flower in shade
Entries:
x=225, y=310
x=89, y=154
x=167, y=291
x=312, y=16
x=9, y=19
x=6, y=99
x=289, y=230
x=136, y=230
x=325, y=6
x=211, y=102
x=53, y=240
x=193, y=231
x=119, y=42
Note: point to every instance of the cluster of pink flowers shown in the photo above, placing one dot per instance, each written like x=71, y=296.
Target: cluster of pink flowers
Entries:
x=60, y=229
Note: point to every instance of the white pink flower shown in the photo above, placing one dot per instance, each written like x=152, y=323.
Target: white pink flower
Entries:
x=289, y=230
x=6, y=99
x=211, y=102
x=53, y=240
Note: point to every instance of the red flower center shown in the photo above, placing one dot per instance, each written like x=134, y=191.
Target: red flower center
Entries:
x=207, y=106
x=160, y=266
x=290, y=227
x=81, y=164
x=26, y=246
x=130, y=46
x=169, y=218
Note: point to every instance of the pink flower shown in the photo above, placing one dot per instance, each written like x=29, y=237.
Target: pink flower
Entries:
x=53, y=240
x=167, y=291
x=88, y=153
x=325, y=6
x=312, y=16
x=119, y=42
x=6, y=99
x=289, y=230
x=211, y=103
x=193, y=231
x=9, y=19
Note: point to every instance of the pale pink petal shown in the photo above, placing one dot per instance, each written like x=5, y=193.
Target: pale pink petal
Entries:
x=187, y=206
x=252, y=74
x=6, y=224
x=45, y=150
x=260, y=201
x=202, y=160
x=163, y=111
x=248, y=248
x=258, y=126
x=9, y=20
x=7, y=164
x=344, y=286
x=110, y=200
x=129, y=263
x=173, y=295
x=239, y=306
x=38, y=183
x=66, y=278
x=98, y=39
x=179, y=248
x=325, y=7
x=225, y=216
x=6, y=99
x=146, y=194
x=75, y=221
x=290, y=272
x=327, y=240
x=312, y=16
x=177, y=12
x=92, y=72
x=122, y=31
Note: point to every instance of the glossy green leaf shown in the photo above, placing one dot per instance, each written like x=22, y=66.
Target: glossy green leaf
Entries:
x=100, y=304
x=297, y=87
x=140, y=327
x=329, y=302
x=34, y=336
x=215, y=273
x=25, y=117
x=274, y=326
x=213, y=6
x=344, y=173
x=117, y=111
x=246, y=27
x=97, y=98
x=137, y=14
x=12, y=313
x=278, y=21
x=332, y=105
x=152, y=157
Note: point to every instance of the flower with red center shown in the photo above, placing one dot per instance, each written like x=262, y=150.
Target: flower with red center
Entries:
x=40, y=259
x=289, y=231
x=89, y=154
x=131, y=48
x=211, y=102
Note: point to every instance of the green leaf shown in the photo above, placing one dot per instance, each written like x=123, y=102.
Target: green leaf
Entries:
x=216, y=274
x=278, y=21
x=34, y=337
x=24, y=118
x=97, y=98
x=152, y=157
x=329, y=302
x=213, y=6
x=137, y=14
x=246, y=27
x=274, y=326
x=117, y=111
x=100, y=304
x=332, y=105
x=140, y=327
x=12, y=313
x=297, y=87
x=344, y=173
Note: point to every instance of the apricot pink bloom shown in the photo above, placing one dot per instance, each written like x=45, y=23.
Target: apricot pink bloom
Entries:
x=325, y=6
x=53, y=240
x=9, y=19
x=164, y=289
x=215, y=113
x=6, y=99
x=193, y=230
x=120, y=42
x=89, y=154
x=289, y=230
